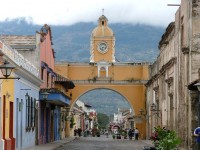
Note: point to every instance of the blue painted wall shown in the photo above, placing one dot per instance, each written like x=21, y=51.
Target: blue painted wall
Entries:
x=23, y=137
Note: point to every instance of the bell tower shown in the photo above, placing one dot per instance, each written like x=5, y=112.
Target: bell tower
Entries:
x=102, y=43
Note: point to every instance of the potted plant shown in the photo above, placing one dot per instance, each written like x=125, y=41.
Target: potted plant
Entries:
x=164, y=139
x=98, y=133
x=113, y=136
x=72, y=122
x=124, y=134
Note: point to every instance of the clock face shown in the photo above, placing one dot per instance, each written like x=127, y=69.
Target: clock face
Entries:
x=103, y=47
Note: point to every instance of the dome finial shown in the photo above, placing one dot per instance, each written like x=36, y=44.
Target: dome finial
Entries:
x=102, y=11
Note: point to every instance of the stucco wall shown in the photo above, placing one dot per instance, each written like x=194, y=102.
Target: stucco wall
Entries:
x=23, y=137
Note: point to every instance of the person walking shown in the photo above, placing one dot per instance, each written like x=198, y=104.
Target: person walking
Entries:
x=130, y=134
x=79, y=132
x=106, y=133
x=136, y=133
x=133, y=133
x=197, y=134
x=75, y=131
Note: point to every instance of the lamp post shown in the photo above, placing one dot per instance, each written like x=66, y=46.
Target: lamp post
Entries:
x=6, y=70
x=27, y=96
x=44, y=95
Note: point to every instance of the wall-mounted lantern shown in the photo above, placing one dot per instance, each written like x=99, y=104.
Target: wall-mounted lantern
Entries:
x=27, y=96
x=44, y=95
x=6, y=70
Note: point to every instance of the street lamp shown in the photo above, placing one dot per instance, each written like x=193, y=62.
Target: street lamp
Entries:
x=44, y=95
x=27, y=96
x=6, y=70
x=141, y=112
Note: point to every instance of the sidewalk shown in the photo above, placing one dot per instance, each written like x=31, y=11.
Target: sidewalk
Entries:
x=148, y=142
x=51, y=146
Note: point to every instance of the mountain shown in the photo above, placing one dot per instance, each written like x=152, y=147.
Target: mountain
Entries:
x=71, y=43
x=105, y=101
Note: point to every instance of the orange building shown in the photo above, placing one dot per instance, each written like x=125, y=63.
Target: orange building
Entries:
x=103, y=72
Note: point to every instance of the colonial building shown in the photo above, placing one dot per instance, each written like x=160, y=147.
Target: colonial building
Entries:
x=169, y=101
x=18, y=98
x=44, y=116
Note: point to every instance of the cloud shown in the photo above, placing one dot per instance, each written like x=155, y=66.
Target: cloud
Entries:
x=67, y=12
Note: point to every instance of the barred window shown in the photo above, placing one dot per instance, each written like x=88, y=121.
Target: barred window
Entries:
x=27, y=106
x=30, y=112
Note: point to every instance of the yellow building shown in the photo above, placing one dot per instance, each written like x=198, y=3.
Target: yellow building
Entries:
x=103, y=72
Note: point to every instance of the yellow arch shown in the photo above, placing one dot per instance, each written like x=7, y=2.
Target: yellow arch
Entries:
x=127, y=79
x=72, y=104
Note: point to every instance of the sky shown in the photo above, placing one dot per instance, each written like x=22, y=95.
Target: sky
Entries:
x=68, y=12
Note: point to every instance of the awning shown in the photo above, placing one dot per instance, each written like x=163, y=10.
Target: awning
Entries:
x=57, y=98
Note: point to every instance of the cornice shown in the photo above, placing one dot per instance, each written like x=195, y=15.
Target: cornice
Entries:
x=171, y=62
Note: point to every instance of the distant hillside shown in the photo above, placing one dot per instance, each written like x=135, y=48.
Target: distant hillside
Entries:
x=105, y=101
x=71, y=43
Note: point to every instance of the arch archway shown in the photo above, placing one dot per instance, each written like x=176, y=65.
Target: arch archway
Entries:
x=133, y=93
x=111, y=90
x=127, y=79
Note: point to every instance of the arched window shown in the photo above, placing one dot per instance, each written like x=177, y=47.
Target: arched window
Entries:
x=102, y=72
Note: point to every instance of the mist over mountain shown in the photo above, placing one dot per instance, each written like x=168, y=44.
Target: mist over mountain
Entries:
x=138, y=43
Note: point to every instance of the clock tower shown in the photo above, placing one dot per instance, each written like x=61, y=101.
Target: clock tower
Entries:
x=102, y=43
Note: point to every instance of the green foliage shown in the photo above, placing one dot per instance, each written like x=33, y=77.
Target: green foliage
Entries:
x=165, y=139
x=113, y=136
x=103, y=120
x=98, y=133
x=72, y=123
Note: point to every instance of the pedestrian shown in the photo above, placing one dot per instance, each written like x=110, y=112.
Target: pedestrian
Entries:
x=79, y=132
x=130, y=134
x=75, y=131
x=133, y=133
x=106, y=133
x=197, y=134
x=136, y=133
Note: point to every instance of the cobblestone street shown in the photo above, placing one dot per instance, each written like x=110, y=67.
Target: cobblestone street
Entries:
x=103, y=143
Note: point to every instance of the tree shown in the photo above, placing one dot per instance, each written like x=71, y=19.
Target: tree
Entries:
x=103, y=120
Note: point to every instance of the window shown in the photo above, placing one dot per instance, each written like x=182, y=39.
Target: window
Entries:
x=171, y=102
x=102, y=23
x=27, y=112
x=30, y=113
x=42, y=73
x=47, y=79
x=52, y=82
x=182, y=32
